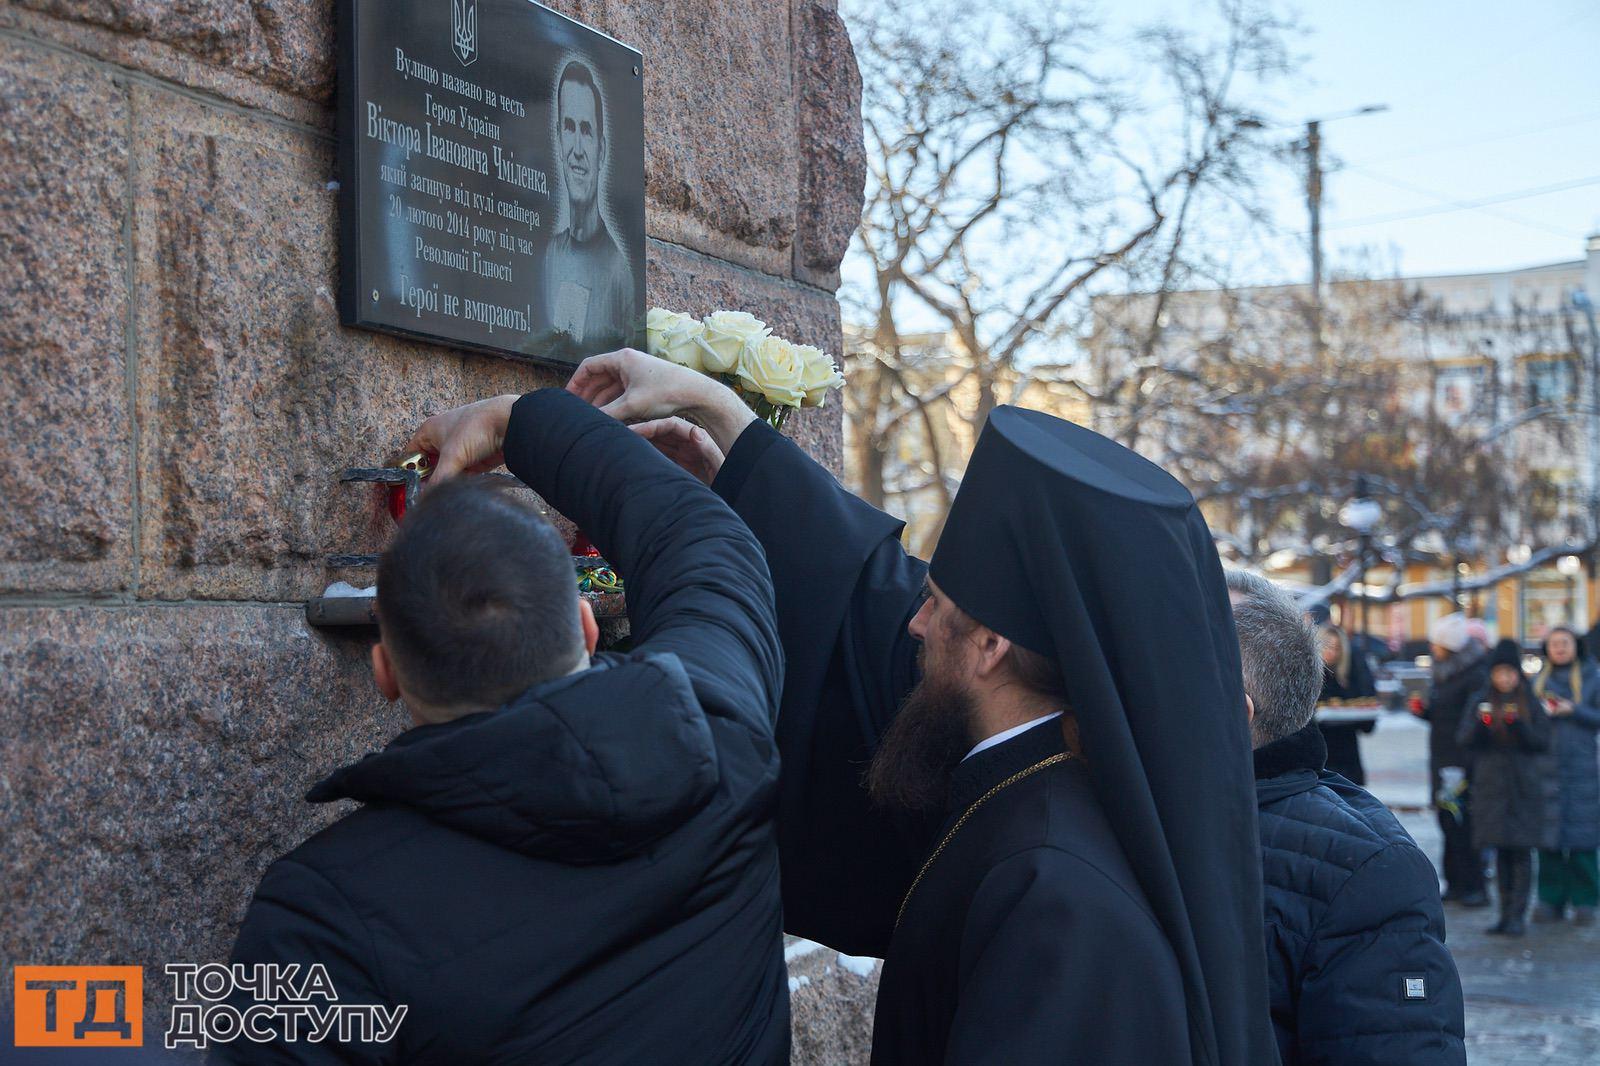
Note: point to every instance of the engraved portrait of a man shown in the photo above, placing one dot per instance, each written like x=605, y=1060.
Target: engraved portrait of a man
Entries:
x=588, y=285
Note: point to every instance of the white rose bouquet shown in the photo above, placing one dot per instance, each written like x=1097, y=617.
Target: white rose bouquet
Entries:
x=772, y=375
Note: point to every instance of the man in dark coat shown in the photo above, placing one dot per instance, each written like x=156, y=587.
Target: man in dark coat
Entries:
x=1354, y=928
x=1460, y=668
x=1087, y=888
x=568, y=859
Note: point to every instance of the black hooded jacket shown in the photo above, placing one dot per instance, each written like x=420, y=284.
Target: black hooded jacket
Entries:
x=588, y=874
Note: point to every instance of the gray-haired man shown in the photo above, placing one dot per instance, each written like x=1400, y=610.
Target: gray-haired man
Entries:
x=1355, y=932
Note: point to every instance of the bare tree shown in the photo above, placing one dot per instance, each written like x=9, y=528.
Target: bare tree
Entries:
x=1016, y=157
x=1400, y=398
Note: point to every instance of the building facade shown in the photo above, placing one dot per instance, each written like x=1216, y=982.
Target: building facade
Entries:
x=1500, y=367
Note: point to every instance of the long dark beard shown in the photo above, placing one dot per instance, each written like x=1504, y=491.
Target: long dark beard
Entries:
x=922, y=747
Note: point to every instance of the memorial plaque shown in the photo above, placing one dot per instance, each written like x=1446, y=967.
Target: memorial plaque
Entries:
x=491, y=158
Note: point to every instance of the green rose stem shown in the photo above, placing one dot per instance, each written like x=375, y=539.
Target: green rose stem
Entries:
x=773, y=414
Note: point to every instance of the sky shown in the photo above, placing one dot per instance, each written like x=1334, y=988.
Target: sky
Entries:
x=1486, y=100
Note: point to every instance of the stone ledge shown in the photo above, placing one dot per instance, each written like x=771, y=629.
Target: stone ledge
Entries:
x=831, y=1000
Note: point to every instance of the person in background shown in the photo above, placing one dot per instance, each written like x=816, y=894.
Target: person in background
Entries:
x=1569, y=686
x=1345, y=676
x=1355, y=935
x=1514, y=806
x=1460, y=668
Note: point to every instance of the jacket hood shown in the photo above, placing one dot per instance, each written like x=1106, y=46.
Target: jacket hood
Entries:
x=587, y=768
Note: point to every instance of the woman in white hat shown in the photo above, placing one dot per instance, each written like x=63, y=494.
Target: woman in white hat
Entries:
x=1460, y=668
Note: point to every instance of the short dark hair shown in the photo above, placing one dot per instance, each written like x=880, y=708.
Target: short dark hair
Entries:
x=477, y=597
x=579, y=72
x=1278, y=650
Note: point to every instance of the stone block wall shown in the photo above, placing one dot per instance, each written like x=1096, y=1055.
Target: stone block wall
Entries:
x=180, y=398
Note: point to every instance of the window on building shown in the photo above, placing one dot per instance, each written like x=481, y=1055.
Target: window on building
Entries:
x=1458, y=391
x=1551, y=381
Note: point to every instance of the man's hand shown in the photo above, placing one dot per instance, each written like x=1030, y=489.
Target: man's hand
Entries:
x=631, y=386
x=468, y=440
x=685, y=444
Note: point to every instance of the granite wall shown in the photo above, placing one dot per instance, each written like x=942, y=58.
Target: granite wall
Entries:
x=180, y=397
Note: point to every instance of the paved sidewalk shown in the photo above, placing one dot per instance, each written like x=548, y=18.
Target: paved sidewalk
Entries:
x=1533, y=1000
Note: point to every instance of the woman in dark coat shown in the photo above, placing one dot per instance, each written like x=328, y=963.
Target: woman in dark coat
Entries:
x=1345, y=676
x=1460, y=668
x=1514, y=803
x=1569, y=685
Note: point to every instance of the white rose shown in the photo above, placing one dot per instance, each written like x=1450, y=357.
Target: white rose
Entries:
x=727, y=335
x=657, y=322
x=817, y=374
x=684, y=343
x=772, y=368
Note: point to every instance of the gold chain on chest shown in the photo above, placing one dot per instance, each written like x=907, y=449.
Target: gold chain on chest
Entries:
x=979, y=802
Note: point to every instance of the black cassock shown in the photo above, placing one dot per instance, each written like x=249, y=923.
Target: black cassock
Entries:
x=1028, y=937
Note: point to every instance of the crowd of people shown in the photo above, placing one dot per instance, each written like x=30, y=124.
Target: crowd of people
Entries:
x=1061, y=849
x=1515, y=772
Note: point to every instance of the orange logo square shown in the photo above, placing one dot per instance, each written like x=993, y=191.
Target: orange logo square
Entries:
x=79, y=1006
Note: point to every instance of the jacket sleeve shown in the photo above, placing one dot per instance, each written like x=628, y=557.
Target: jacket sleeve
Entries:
x=697, y=580
x=845, y=590
x=1532, y=728
x=1385, y=927
x=1034, y=980
x=299, y=917
x=845, y=587
x=1586, y=712
x=1471, y=732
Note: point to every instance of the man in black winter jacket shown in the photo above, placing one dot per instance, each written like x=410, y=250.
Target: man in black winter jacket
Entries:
x=1358, y=968
x=569, y=858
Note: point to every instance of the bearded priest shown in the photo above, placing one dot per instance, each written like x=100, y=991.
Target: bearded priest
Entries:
x=1019, y=773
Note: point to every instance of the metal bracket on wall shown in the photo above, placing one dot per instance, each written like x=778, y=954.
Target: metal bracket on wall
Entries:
x=345, y=611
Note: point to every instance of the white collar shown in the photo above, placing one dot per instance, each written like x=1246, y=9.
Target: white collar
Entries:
x=1002, y=737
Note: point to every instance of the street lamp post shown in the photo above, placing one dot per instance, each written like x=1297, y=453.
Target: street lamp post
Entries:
x=1569, y=567
x=1360, y=515
x=1365, y=547
x=1314, y=208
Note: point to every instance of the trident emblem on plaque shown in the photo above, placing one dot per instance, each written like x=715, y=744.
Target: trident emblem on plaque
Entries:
x=464, y=30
